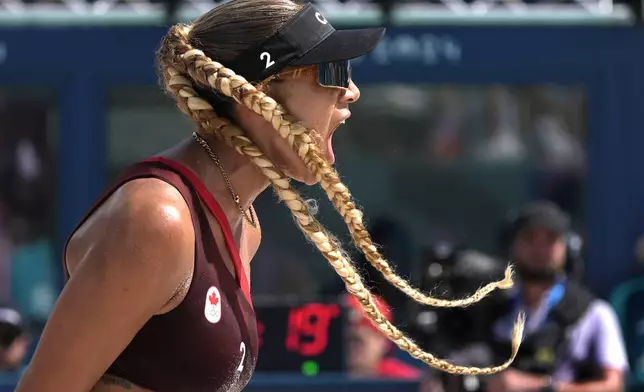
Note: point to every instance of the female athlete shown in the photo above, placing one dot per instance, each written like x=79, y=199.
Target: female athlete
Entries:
x=158, y=295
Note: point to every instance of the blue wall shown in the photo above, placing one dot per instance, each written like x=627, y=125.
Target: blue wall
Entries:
x=286, y=383
x=607, y=62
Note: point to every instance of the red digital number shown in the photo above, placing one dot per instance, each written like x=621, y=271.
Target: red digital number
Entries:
x=308, y=328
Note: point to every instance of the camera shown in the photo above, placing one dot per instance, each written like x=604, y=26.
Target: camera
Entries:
x=454, y=271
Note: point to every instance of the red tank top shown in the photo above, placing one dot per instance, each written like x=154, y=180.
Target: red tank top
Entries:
x=209, y=342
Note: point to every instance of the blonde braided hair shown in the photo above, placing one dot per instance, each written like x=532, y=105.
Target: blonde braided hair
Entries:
x=184, y=67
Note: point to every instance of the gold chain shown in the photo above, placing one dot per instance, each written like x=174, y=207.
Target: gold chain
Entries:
x=215, y=158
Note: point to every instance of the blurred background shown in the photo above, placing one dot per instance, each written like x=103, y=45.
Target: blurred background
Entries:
x=469, y=109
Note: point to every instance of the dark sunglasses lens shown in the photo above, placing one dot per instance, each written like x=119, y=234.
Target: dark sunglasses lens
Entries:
x=335, y=74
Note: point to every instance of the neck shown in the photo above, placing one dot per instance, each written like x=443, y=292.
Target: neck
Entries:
x=533, y=293
x=246, y=180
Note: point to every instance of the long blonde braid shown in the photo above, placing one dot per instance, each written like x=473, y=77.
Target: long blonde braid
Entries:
x=300, y=140
x=186, y=66
x=343, y=202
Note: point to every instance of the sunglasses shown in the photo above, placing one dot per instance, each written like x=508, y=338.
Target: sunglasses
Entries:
x=335, y=74
x=332, y=74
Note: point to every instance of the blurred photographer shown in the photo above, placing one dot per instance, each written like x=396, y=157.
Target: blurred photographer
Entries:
x=572, y=340
x=460, y=335
x=14, y=340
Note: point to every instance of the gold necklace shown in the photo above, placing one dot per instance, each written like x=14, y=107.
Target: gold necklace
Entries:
x=215, y=158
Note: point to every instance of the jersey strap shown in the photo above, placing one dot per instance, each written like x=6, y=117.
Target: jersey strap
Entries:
x=216, y=210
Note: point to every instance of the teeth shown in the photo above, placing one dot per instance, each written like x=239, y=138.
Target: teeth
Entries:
x=343, y=122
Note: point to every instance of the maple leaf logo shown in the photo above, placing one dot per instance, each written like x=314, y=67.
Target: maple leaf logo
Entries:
x=214, y=300
x=212, y=309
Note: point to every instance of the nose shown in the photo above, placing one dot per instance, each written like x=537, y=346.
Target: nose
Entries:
x=351, y=94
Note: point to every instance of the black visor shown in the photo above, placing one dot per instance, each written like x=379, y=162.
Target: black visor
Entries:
x=307, y=39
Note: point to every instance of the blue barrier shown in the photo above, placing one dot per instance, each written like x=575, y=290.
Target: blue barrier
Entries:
x=292, y=383
x=325, y=383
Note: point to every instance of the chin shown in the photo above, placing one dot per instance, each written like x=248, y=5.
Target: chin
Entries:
x=302, y=175
x=538, y=275
x=330, y=156
x=309, y=179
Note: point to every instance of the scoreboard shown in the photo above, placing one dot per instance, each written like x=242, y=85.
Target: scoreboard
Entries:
x=306, y=338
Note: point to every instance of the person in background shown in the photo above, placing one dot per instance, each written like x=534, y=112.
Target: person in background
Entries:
x=572, y=340
x=14, y=340
x=27, y=264
x=369, y=353
x=32, y=271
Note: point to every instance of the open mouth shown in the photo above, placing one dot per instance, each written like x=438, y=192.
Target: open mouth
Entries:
x=329, y=147
x=337, y=126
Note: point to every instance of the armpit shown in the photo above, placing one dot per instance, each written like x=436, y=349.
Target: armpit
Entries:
x=109, y=383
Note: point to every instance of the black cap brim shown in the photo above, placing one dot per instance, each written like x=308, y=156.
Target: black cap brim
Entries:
x=556, y=225
x=307, y=39
x=544, y=215
x=343, y=45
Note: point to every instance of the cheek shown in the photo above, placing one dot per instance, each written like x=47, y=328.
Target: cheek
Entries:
x=314, y=106
x=560, y=253
x=321, y=119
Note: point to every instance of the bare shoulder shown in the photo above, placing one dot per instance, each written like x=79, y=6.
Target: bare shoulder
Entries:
x=127, y=263
x=141, y=212
x=143, y=229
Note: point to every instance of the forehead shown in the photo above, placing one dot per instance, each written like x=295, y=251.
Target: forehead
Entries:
x=531, y=232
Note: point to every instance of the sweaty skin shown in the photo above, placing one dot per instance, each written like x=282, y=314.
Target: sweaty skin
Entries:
x=133, y=258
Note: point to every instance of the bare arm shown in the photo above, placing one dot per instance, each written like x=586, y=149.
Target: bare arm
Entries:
x=128, y=262
x=613, y=381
